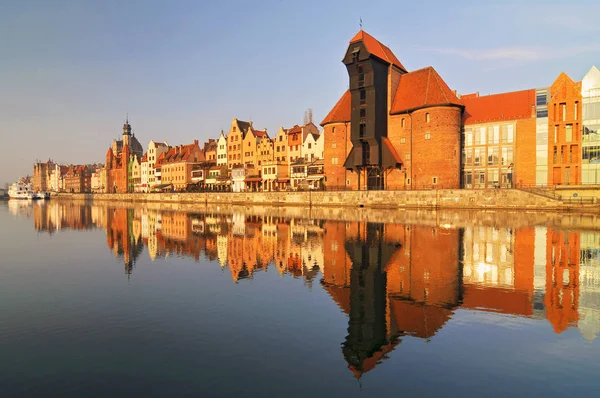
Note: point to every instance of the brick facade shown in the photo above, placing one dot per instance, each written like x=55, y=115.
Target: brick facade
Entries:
x=564, y=132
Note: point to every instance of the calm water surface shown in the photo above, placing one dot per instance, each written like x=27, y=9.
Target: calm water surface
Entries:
x=110, y=300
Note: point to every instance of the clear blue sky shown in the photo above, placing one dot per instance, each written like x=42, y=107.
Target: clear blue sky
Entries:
x=71, y=70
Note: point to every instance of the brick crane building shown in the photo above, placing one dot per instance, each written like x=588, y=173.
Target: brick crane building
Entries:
x=392, y=129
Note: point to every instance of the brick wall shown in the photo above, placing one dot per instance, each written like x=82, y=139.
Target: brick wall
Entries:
x=337, y=147
x=438, y=156
x=525, y=155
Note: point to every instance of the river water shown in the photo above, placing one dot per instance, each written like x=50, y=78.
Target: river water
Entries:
x=120, y=300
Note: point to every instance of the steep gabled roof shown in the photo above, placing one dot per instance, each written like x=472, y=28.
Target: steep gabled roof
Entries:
x=244, y=126
x=497, y=107
x=341, y=111
x=377, y=49
x=421, y=89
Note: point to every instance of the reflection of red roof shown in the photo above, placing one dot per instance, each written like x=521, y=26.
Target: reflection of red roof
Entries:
x=500, y=300
x=496, y=107
x=339, y=294
x=370, y=363
x=422, y=88
x=418, y=320
x=341, y=111
x=376, y=48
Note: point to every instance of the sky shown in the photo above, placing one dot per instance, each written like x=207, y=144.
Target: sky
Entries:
x=71, y=70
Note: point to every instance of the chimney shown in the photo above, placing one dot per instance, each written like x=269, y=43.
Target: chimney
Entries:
x=195, y=142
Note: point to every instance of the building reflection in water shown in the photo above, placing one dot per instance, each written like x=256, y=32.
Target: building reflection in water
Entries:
x=392, y=280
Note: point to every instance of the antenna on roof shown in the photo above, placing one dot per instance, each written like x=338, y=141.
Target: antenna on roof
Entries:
x=360, y=24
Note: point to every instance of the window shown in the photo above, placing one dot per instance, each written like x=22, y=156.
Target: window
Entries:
x=468, y=137
x=540, y=97
x=575, y=110
x=492, y=156
x=362, y=129
x=233, y=128
x=507, y=133
x=403, y=140
x=334, y=145
x=402, y=123
x=482, y=136
x=554, y=157
x=564, y=111
x=555, y=134
x=569, y=133
x=469, y=156
x=427, y=117
x=361, y=74
x=507, y=156
x=334, y=160
x=363, y=113
x=542, y=112
x=309, y=145
x=477, y=156
x=408, y=181
x=427, y=136
x=434, y=180
x=363, y=96
x=407, y=156
x=366, y=153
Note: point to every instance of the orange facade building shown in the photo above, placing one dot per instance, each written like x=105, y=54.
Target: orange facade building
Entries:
x=564, y=132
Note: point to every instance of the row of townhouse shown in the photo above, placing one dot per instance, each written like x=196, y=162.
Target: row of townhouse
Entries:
x=392, y=129
x=246, y=159
x=53, y=177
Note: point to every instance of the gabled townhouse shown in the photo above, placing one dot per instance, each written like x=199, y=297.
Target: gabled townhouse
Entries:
x=144, y=173
x=312, y=147
x=135, y=179
x=250, y=145
x=210, y=150
x=222, y=150
x=280, y=146
x=264, y=150
x=296, y=137
x=155, y=149
x=235, y=139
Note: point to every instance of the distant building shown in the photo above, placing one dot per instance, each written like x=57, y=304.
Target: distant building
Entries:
x=178, y=163
x=118, y=161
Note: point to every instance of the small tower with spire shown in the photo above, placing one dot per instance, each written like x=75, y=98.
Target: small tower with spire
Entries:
x=126, y=131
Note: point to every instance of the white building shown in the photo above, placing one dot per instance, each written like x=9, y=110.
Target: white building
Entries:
x=590, y=157
x=312, y=147
x=144, y=170
x=222, y=150
x=155, y=149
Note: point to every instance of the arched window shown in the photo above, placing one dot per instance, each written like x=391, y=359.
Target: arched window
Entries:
x=402, y=123
x=427, y=117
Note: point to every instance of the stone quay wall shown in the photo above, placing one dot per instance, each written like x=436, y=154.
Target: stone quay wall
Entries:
x=485, y=199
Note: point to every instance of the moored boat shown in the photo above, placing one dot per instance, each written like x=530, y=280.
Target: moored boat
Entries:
x=21, y=190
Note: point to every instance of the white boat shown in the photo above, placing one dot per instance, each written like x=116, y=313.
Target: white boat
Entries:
x=41, y=195
x=21, y=190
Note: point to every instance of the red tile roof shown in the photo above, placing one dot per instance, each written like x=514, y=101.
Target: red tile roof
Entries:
x=144, y=158
x=376, y=48
x=341, y=111
x=420, y=89
x=497, y=107
x=180, y=153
